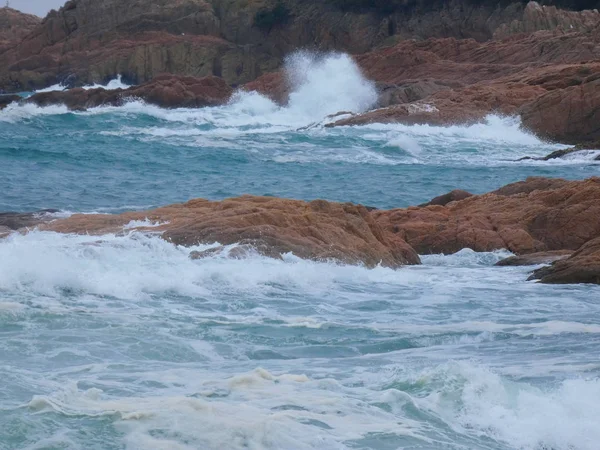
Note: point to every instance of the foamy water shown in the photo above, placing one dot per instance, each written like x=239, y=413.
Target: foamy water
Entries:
x=124, y=342
x=130, y=336
x=116, y=83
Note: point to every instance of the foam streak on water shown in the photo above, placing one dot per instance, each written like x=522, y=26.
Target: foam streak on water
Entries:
x=131, y=339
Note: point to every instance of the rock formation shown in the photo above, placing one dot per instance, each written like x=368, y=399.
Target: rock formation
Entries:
x=534, y=259
x=6, y=100
x=581, y=267
x=89, y=41
x=15, y=221
x=541, y=220
x=549, y=78
x=537, y=215
x=318, y=230
x=14, y=26
x=168, y=91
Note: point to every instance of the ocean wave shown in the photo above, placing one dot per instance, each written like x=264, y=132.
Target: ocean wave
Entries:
x=475, y=400
x=464, y=403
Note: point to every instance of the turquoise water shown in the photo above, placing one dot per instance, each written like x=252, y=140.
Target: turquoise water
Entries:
x=123, y=342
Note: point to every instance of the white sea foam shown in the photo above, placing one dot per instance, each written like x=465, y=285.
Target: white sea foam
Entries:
x=523, y=416
x=16, y=112
x=321, y=85
x=116, y=83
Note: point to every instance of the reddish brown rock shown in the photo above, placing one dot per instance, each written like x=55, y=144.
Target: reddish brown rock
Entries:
x=273, y=85
x=570, y=115
x=318, y=230
x=534, y=259
x=14, y=26
x=582, y=267
x=168, y=91
x=545, y=77
x=561, y=215
x=89, y=41
x=452, y=196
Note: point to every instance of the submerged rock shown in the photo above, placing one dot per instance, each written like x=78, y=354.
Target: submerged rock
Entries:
x=534, y=259
x=583, y=266
x=317, y=230
x=4, y=231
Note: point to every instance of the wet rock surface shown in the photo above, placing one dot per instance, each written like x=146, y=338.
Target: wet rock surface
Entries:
x=534, y=259
x=581, y=267
x=167, y=91
x=541, y=220
x=318, y=230
x=15, y=220
x=539, y=214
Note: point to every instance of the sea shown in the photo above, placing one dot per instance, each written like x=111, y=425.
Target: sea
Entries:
x=123, y=342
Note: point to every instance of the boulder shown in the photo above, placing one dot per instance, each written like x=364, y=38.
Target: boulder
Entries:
x=317, y=230
x=583, y=266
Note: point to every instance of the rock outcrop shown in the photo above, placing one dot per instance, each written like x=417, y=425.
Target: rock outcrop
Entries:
x=549, y=78
x=15, y=26
x=534, y=259
x=168, y=91
x=88, y=41
x=452, y=196
x=538, y=17
x=581, y=267
x=6, y=100
x=318, y=230
x=14, y=221
x=537, y=215
x=541, y=220
x=570, y=115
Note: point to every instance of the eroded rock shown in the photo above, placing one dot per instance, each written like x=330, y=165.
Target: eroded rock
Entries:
x=581, y=267
x=536, y=215
x=318, y=230
x=534, y=259
x=167, y=91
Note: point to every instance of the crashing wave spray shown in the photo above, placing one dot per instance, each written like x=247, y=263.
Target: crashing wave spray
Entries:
x=324, y=84
x=320, y=85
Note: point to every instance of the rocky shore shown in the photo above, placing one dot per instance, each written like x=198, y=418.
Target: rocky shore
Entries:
x=448, y=63
x=541, y=220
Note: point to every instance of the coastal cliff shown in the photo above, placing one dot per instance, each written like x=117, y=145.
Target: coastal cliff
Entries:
x=88, y=41
x=15, y=26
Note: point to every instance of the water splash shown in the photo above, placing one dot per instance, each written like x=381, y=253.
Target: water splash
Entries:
x=116, y=83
